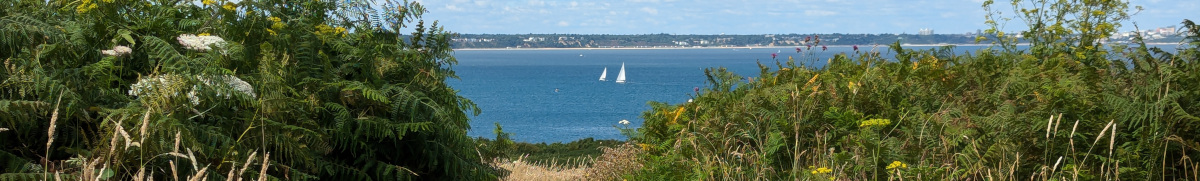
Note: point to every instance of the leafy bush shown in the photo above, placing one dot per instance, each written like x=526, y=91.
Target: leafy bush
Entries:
x=168, y=89
x=1067, y=107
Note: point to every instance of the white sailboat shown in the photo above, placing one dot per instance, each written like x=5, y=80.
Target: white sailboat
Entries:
x=604, y=74
x=621, y=76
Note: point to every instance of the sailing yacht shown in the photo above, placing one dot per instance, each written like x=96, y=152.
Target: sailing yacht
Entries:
x=621, y=76
x=604, y=74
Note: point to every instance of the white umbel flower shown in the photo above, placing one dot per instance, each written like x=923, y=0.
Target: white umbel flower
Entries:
x=228, y=80
x=624, y=122
x=147, y=86
x=199, y=43
x=173, y=84
x=117, y=51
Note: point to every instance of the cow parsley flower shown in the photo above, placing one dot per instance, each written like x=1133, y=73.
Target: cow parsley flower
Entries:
x=199, y=43
x=117, y=51
x=228, y=80
x=625, y=122
x=174, y=84
x=147, y=86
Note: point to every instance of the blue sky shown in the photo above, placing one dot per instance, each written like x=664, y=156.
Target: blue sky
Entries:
x=744, y=16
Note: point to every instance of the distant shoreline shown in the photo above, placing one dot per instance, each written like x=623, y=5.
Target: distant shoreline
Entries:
x=731, y=47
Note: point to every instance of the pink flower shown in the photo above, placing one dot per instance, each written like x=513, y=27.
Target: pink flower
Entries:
x=797, y=49
x=823, y=48
x=809, y=47
x=697, y=89
x=774, y=54
x=856, y=48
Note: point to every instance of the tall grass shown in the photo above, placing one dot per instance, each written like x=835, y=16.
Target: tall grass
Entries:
x=613, y=164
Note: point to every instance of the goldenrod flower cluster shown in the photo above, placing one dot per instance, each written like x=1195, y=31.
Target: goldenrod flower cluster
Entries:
x=875, y=122
x=277, y=24
x=208, y=2
x=822, y=170
x=326, y=30
x=87, y=5
x=645, y=147
x=897, y=165
x=229, y=6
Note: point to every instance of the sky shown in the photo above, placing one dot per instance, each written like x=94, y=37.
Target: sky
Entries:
x=746, y=16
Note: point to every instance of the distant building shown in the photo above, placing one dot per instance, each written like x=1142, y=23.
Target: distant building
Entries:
x=925, y=31
x=1170, y=30
x=535, y=39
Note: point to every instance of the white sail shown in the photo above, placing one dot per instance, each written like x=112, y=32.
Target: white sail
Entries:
x=604, y=74
x=621, y=76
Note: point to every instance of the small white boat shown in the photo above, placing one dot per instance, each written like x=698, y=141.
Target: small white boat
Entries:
x=621, y=76
x=604, y=74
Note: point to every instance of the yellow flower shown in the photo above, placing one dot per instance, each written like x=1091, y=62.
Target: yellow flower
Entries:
x=273, y=19
x=108, y=1
x=915, y=65
x=875, y=122
x=85, y=6
x=229, y=6
x=980, y=39
x=645, y=147
x=278, y=25
x=272, y=32
x=897, y=165
x=203, y=34
x=821, y=170
x=209, y=2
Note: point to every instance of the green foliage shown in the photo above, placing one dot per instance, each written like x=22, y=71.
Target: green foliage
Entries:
x=939, y=115
x=327, y=89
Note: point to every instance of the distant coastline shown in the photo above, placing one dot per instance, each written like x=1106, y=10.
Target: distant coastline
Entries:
x=736, y=47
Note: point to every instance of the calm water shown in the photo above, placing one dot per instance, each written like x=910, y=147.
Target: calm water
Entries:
x=516, y=88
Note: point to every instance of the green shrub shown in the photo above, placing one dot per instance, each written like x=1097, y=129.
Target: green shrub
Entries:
x=297, y=90
x=1068, y=107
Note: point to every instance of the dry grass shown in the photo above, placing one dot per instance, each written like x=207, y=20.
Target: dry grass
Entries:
x=611, y=165
x=533, y=171
x=90, y=168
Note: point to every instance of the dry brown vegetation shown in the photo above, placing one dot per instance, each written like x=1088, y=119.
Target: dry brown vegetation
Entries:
x=621, y=160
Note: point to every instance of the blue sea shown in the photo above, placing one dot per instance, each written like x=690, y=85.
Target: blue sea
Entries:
x=517, y=88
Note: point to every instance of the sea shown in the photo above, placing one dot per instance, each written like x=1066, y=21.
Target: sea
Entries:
x=555, y=95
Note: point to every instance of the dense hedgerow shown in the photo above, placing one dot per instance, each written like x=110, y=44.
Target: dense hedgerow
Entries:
x=1066, y=107
x=217, y=89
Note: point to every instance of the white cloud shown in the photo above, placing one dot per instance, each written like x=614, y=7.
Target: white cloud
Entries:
x=650, y=10
x=819, y=13
x=949, y=14
x=563, y=23
x=452, y=7
x=537, y=3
